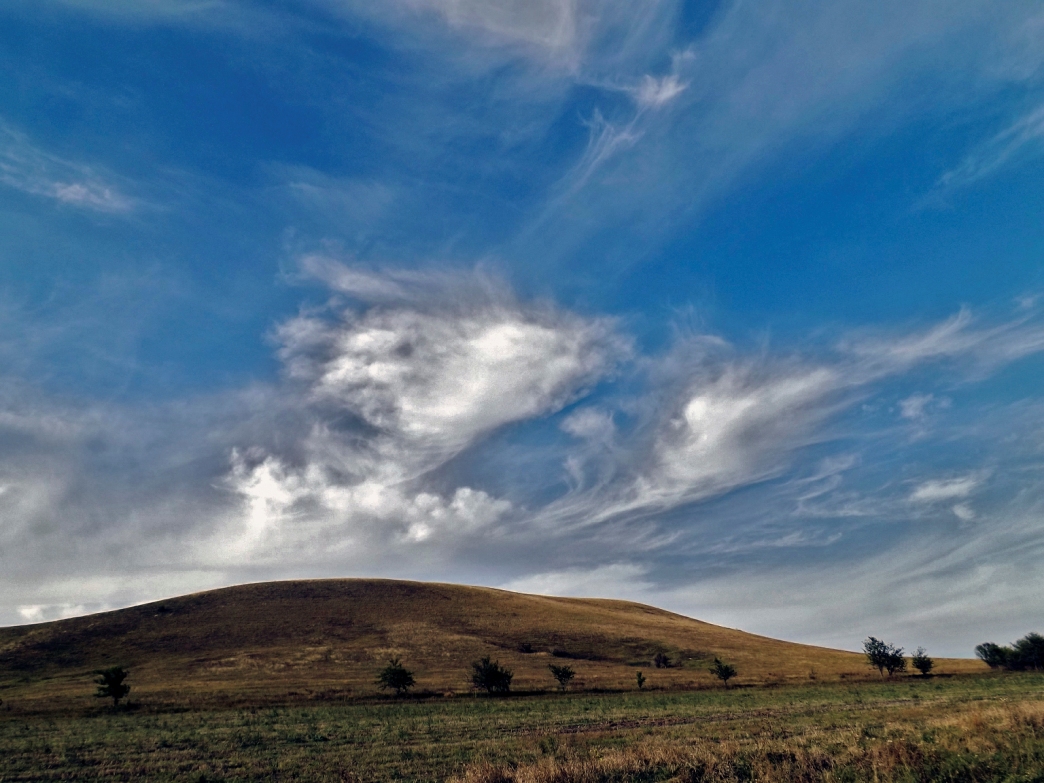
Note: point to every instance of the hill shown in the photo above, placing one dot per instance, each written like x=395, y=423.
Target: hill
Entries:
x=266, y=642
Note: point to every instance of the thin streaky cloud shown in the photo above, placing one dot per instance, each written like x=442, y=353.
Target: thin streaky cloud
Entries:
x=26, y=167
x=1019, y=142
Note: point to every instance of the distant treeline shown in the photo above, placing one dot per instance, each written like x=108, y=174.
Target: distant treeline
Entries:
x=1025, y=654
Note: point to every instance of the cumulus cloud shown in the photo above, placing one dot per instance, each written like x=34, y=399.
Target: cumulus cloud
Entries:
x=399, y=387
x=27, y=168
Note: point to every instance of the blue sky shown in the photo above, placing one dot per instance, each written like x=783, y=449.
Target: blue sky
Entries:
x=731, y=308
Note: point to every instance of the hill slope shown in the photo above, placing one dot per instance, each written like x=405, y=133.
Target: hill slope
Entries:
x=329, y=638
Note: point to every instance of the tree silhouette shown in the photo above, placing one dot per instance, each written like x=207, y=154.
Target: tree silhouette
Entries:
x=640, y=679
x=490, y=676
x=723, y=671
x=396, y=676
x=111, y=684
x=564, y=674
x=1026, y=653
x=922, y=662
x=993, y=655
x=884, y=657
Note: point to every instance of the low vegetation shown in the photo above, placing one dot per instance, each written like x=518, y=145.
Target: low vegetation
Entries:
x=969, y=728
x=1027, y=654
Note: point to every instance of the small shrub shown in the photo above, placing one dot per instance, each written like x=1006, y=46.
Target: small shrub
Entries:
x=723, y=671
x=564, y=675
x=662, y=660
x=640, y=679
x=525, y=647
x=111, y=684
x=396, y=676
x=922, y=662
x=490, y=676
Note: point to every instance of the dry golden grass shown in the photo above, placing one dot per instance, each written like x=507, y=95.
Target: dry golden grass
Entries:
x=327, y=639
x=1000, y=742
x=971, y=728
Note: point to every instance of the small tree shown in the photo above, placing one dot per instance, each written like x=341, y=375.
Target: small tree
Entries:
x=111, y=684
x=922, y=662
x=396, y=676
x=490, y=676
x=662, y=660
x=564, y=675
x=884, y=657
x=640, y=679
x=723, y=671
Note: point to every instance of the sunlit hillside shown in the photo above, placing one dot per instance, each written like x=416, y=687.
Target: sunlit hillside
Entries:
x=327, y=639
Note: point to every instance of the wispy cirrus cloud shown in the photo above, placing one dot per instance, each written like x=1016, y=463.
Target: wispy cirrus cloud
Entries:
x=1022, y=140
x=27, y=168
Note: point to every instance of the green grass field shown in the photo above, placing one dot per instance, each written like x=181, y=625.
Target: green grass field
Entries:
x=961, y=728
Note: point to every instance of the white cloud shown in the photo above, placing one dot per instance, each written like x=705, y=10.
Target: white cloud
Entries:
x=654, y=93
x=913, y=407
x=288, y=511
x=39, y=613
x=25, y=167
x=614, y=580
x=732, y=430
x=432, y=380
x=590, y=424
x=938, y=490
x=440, y=363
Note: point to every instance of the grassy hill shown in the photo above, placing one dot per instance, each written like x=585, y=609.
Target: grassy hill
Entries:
x=326, y=639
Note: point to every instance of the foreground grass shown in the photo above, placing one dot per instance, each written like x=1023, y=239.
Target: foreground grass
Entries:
x=967, y=728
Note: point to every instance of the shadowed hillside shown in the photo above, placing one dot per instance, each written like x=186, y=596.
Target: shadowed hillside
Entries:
x=328, y=638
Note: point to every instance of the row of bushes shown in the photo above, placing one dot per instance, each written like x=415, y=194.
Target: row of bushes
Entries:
x=488, y=675
x=1025, y=654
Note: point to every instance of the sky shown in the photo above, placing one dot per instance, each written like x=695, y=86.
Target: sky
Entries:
x=732, y=308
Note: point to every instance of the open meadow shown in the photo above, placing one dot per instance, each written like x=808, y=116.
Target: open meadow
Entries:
x=962, y=728
x=277, y=681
